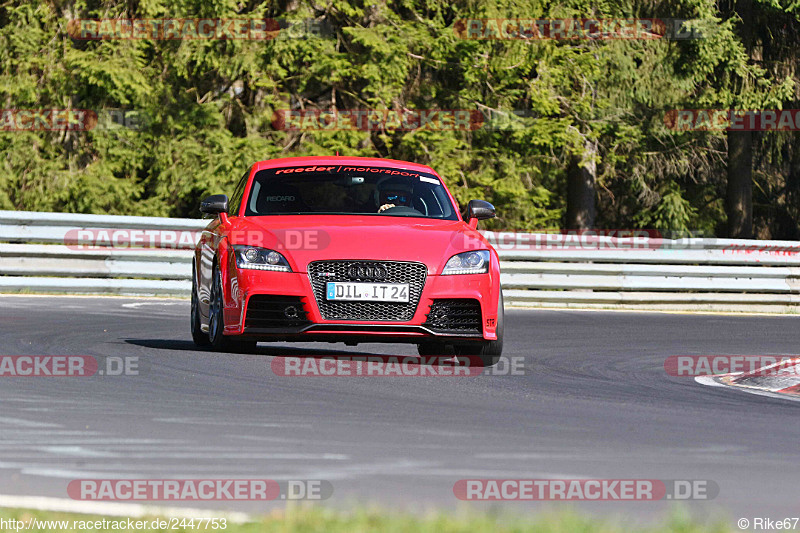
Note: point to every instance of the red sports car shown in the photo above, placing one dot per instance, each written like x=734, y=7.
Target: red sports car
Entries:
x=346, y=249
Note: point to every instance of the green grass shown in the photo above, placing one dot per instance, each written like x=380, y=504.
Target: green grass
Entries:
x=307, y=520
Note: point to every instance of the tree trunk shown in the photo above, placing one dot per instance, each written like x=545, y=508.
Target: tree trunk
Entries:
x=581, y=176
x=739, y=197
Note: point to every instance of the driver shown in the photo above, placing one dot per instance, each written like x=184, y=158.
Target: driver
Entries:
x=394, y=192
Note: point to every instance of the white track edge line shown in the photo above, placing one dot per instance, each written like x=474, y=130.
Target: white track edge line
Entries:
x=127, y=510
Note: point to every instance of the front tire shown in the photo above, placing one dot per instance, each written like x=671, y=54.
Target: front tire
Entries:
x=489, y=352
x=429, y=349
x=216, y=323
x=198, y=336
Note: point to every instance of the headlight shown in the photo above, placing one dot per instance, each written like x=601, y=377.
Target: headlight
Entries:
x=468, y=263
x=256, y=258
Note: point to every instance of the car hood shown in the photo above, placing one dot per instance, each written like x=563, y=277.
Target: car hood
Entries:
x=303, y=239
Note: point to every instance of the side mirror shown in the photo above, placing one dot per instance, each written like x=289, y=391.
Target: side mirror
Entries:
x=214, y=204
x=480, y=210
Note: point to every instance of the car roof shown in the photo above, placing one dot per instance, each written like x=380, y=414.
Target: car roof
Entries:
x=342, y=160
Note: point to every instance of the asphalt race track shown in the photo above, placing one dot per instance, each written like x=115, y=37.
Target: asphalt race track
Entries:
x=595, y=402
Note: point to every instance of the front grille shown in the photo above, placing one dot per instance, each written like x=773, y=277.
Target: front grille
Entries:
x=266, y=311
x=454, y=315
x=396, y=272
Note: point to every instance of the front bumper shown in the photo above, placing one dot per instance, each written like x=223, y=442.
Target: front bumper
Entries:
x=246, y=286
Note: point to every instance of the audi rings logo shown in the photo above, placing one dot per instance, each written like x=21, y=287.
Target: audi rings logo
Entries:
x=376, y=272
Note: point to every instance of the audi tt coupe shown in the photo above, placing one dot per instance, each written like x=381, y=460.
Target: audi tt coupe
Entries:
x=346, y=249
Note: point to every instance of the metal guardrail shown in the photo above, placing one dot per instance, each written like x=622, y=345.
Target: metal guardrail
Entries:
x=44, y=252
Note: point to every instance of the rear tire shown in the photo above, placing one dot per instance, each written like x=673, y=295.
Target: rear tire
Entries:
x=489, y=352
x=216, y=323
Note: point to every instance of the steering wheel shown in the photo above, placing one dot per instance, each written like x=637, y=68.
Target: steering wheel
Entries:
x=401, y=210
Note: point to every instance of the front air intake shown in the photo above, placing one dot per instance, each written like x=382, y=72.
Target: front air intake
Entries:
x=454, y=315
x=275, y=312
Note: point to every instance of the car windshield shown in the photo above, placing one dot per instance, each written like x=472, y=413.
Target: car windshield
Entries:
x=348, y=190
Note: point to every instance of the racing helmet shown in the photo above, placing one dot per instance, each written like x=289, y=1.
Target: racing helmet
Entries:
x=395, y=190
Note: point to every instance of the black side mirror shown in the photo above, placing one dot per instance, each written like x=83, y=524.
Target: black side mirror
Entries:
x=480, y=209
x=214, y=204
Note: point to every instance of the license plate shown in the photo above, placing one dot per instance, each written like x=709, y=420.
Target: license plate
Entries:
x=367, y=292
